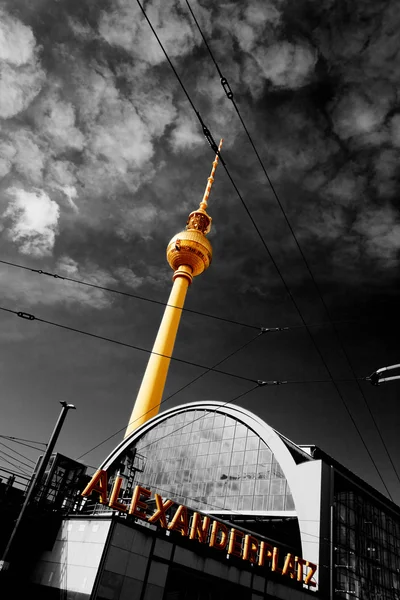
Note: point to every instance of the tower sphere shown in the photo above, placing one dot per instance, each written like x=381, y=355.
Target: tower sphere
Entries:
x=189, y=248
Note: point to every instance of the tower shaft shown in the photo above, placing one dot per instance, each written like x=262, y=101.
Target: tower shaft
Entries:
x=189, y=253
x=151, y=390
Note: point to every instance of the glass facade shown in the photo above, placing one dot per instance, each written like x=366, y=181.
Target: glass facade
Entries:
x=209, y=461
x=367, y=549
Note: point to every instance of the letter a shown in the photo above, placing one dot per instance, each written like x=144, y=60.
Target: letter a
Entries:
x=98, y=483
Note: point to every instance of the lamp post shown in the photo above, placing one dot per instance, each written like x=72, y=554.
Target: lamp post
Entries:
x=376, y=377
x=36, y=479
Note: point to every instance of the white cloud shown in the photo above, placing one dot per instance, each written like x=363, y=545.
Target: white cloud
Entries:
x=285, y=64
x=17, y=42
x=30, y=289
x=21, y=77
x=61, y=172
x=129, y=277
x=250, y=24
x=91, y=273
x=185, y=135
x=126, y=27
x=18, y=87
x=34, y=219
x=7, y=153
x=55, y=119
x=29, y=159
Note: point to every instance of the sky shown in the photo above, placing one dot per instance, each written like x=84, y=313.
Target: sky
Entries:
x=102, y=158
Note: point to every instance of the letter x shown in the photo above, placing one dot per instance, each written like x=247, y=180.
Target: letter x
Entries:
x=162, y=508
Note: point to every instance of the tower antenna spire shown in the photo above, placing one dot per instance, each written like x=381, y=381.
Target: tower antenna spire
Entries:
x=189, y=253
x=204, y=203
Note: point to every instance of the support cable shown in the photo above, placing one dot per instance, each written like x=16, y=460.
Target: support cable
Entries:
x=213, y=145
x=189, y=310
x=230, y=96
x=6, y=437
x=259, y=382
x=15, y=459
x=19, y=454
x=170, y=396
x=2, y=469
x=16, y=466
x=135, y=296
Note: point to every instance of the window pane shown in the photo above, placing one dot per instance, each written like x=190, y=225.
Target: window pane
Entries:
x=237, y=458
x=203, y=457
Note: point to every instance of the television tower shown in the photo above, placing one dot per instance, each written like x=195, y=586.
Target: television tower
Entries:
x=189, y=253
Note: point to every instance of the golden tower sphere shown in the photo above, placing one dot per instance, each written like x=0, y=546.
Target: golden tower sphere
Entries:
x=189, y=248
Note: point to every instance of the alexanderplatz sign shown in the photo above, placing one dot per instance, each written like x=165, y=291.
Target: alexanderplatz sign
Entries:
x=203, y=529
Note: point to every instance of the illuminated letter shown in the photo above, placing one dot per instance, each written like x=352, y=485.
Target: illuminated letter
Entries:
x=300, y=564
x=98, y=484
x=235, y=542
x=266, y=551
x=159, y=515
x=114, y=496
x=199, y=528
x=250, y=548
x=289, y=566
x=138, y=508
x=180, y=520
x=275, y=559
x=216, y=529
x=310, y=573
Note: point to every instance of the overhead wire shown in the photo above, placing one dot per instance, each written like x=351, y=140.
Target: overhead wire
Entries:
x=259, y=382
x=19, y=440
x=16, y=466
x=214, y=147
x=131, y=422
x=13, y=473
x=7, y=437
x=19, y=453
x=183, y=388
x=128, y=294
x=271, y=329
x=189, y=310
x=229, y=94
x=16, y=459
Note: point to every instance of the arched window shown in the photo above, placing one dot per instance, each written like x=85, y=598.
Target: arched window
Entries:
x=207, y=460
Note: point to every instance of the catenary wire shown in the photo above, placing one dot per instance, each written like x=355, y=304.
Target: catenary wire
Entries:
x=127, y=294
x=15, y=458
x=93, y=285
x=259, y=382
x=19, y=453
x=19, y=440
x=16, y=466
x=13, y=473
x=181, y=389
x=170, y=396
x=190, y=383
x=56, y=276
x=214, y=147
x=230, y=96
x=22, y=443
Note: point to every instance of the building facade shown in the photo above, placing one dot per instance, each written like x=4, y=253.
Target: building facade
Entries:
x=274, y=519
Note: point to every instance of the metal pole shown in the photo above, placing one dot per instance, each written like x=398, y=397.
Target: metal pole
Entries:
x=36, y=480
